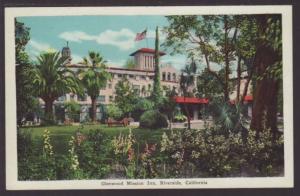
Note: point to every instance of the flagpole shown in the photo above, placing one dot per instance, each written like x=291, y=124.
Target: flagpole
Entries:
x=147, y=42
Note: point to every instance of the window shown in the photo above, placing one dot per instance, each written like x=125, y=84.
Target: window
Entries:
x=110, y=86
x=143, y=77
x=101, y=98
x=119, y=75
x=169, y=76
x=111, y=98
x=174, y=77
x=164, y=76
x=136, y=88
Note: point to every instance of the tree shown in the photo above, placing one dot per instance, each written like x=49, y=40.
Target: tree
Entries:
x=169, y=105
x=114, y=111
x=94, y=78
x=26, y=102
x=129, y=64
x=268, y=70
x=187, y=79
x=156, y=93
x=205, y=38
x=51, y=80
x=207, y=86
x=126, y=96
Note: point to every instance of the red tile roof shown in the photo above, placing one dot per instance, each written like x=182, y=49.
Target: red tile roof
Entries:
x=190, y=100
x=147, y=50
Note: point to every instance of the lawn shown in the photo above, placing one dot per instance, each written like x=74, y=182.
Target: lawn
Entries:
x=60, y=135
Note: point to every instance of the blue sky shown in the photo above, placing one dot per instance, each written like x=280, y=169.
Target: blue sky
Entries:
x=112, y=36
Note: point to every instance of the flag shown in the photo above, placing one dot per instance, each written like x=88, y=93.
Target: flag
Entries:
x=140, y=36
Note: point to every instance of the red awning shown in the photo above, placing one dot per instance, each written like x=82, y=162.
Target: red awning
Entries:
x=194, y=100
x=248, y=98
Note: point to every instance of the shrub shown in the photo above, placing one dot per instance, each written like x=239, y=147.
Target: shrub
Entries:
x=114, y=112
x=153, y=119
x=180, y=118
x=216, y=155
x=73, y=110
x=141, y=106
x=92, y=155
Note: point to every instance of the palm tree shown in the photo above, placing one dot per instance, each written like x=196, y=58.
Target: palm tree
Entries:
x=51, y=79
x=94, y=78
x=187, y=80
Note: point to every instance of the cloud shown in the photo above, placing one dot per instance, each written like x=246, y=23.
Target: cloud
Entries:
x=123, y=39
x=35, y=48
x=76, y=36
x=39, y=46
x=177, y=61
x=118, y=63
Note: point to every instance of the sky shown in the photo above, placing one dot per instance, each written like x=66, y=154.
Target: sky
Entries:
x=112, y=36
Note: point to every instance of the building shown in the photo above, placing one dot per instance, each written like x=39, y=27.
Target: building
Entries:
x=140, y=76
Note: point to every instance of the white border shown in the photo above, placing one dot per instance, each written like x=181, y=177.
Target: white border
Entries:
x=12, y=182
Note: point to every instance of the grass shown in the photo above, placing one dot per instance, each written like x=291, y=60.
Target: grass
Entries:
x=60, y=135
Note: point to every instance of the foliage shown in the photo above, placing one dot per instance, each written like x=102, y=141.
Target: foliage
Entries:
x=26, y=102
x=114, y=112
x=168, y=106
x=126, y=96
x=180, y=117
x=92, y=155
x=187, y=79
x=208, y=87
x=178, y=153
x=153, y=119
x=123, y=151
x=73, y=110
x=216, y=155
x=157, y=92
x=227, y=116
x=142, y=105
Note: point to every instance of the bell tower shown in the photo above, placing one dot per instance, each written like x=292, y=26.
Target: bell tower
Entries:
x=66, y=52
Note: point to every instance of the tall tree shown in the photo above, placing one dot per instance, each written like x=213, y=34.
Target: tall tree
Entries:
x=51, y=79
x=268, y=70
x=187, y=79
x=26, y=102
x=94, y=78
x=156, y=93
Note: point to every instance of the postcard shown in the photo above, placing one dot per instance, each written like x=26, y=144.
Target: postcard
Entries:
x=178, y=97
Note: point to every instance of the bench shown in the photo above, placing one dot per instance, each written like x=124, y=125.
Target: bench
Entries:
x=124, y=122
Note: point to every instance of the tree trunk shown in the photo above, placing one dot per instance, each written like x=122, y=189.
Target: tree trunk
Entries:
x=264, y=114
x=188, y=115
x=94, y=109
x=226, y=58
x=49, y=117
x=238, y=89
